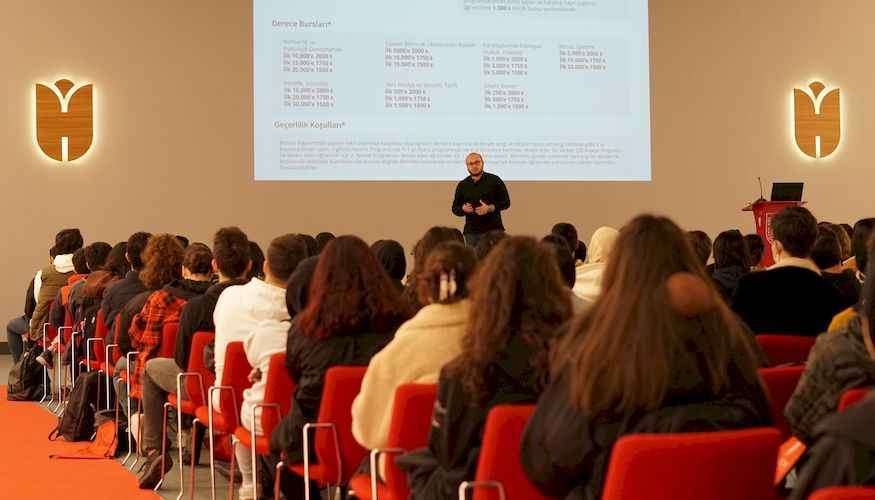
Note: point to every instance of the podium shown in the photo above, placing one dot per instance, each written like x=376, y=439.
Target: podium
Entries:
x=763, y=211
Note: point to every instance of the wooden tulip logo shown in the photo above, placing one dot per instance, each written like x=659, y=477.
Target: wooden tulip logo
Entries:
x=817, y=117
x=64, y=119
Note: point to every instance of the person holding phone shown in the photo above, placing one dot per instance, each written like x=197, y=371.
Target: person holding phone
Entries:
x=480, y=198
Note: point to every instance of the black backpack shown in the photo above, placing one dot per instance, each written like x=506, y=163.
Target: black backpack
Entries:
x=26, y=377
x=77, y=421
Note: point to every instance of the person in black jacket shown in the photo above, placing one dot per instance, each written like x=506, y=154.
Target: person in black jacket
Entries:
x=731, y=262
x=352, y=312
x=16, y=329
x=791, y=297
x=480, y=198
x=390, y=253
x=128, y=287
x=843, y=453
x=518, y=300
x=827, y=254
x=658, y=352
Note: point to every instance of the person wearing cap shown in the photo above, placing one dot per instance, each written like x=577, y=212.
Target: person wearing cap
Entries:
x=51, y=278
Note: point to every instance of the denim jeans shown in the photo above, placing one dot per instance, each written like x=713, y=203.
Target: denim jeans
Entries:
x=16, y=329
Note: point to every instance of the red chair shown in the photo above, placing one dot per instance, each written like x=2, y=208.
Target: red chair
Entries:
x=278, y=392
x=196, y=378
x=852, y=397
x=100, y=333
x=786, y=349
x=844, y=493
x=780, y=384
x=500, y=474
x=225, y=420
x=337, y=451
x=728, y=465
x=408, y=430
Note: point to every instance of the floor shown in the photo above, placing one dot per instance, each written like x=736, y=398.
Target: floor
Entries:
x=170, y=489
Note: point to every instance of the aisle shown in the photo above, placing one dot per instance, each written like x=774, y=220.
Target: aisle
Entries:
x=26, y=472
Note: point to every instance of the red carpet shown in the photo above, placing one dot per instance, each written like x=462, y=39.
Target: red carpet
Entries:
x=27, y=472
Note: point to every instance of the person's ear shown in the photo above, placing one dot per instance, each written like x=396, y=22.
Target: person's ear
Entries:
x=265, y=268
x=777, y=250
x=249, y=267
x=215, y=266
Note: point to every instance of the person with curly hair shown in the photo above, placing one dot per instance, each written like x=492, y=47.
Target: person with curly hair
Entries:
x=518, y=302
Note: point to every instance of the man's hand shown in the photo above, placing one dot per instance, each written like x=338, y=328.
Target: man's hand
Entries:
x=254, y=375
x=484, y=209
x=468, y=208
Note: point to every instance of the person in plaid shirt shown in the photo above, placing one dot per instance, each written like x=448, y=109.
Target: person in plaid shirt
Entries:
x=177, y=276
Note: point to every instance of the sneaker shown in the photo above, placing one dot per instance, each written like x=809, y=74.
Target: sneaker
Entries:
x=46, y=359
x=151, y=472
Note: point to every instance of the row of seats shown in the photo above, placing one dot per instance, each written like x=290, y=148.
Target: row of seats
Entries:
x=713, y=459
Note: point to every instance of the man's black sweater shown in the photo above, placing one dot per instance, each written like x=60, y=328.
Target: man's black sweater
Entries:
x=197, y=316
x=490, y=189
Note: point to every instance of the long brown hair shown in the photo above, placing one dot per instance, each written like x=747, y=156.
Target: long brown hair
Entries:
x=350, y=292
x=162, y=261
x=621, y=354
x=517, y=292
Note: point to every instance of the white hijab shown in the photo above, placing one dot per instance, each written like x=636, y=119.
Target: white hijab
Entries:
x=588, y=283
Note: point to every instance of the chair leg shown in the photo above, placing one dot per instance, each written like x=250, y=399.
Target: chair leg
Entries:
x=196, y=430
x=280, y=466
x=234, y=445
x=139, y=436
x=212, y=456
x=163, y=446
x=179, y=445
x=198, y=434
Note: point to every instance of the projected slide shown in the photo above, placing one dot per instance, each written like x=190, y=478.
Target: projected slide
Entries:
x=404, y=89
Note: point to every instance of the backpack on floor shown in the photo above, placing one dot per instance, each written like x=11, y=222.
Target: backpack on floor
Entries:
x=105, y=443
x=26, y=377
x=77, y=421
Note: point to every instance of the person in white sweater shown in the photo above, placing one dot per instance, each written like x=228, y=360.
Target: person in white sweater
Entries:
x=241, y=308
x=588, y=279
x=257, y=315
x=421, y=346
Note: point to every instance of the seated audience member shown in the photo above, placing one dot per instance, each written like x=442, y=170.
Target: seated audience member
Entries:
x=311, y=244
x=518, y=301
x=16, y=329
x=840, y=361
x=177, y=276
x=266, y=337
x=843, y=453
x=588, y=281
x=130, y=285
x=828, y=257
x=241, y=308
x=421, y=346
x=567, y=232
x=658, y=352
x=567, y=269
x=756, y=249
x=182, y=240
x=322, y=239
x=51, y=278
x=95, y=259
x=230, y=259
x=844, y=241
x=61, y=302
x=580, y=254
x=116, y=263
x=391, y=256
x=256, y=255
x=701, y=246
x=487, y=242
x=862, y=232
x=423, y=247
x=791, y=297
x=731, y=262
x=352, y=312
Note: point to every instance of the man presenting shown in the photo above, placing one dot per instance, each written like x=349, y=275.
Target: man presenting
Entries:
x=480, y=198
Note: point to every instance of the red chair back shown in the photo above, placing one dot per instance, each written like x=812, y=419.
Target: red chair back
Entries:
x=500, y=455
x=727, y=465
x=844, y=493
x=279, y=389
x=408, y=430
x=785, y=349
x=780, y=384
x=117, y=326
x=168, y=340
x=235, y=373
x=852, y=397
x=342, y=385
x=196, y=365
